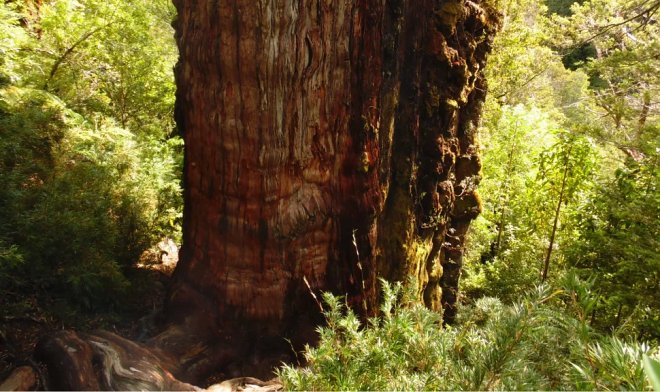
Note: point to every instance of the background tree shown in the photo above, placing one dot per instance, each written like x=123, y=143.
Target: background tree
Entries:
x=563, y=169
x=538, y=104
x=624, y=81
x=612, y=115
x=618, y=245
x=506, y=240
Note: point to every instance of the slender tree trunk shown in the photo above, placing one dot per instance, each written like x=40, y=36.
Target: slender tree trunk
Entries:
x=500, y=228
x=592, y=321
x=643, y=115
x=617, y=321
x=548, y=254
x=507, y=197
x=327, y=144
x=63, y=57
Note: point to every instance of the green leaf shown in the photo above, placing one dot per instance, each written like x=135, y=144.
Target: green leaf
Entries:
x=652, y=369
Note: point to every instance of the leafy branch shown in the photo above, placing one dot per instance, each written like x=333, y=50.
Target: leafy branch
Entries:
x=70, y=50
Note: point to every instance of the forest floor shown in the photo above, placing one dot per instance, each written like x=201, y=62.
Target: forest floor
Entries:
x=25, y=319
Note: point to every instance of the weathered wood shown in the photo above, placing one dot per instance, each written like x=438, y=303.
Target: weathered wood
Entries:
x=23, y=378
x=250, y=384
x=69, y=362
x=105, y=361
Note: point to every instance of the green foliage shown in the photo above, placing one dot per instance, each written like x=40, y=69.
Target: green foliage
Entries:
x=617, y=243
x=12, y=39
x=89, y=178
x=526, y=157
x=122, y=65
x=577, y=147
x=561, y=7
x=652, y=368
x=505, y=237
x=543, y=342
x=617, y=226
x=623, y=65
x=78, y=206
x=532, y=120
x=571, y=156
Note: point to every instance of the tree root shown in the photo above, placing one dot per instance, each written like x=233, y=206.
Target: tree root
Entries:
x=23, y=378
x=102, y=360
x=105, y=361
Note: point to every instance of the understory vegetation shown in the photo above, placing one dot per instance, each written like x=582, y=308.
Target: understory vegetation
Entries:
x=89, y=166
x=542, y=342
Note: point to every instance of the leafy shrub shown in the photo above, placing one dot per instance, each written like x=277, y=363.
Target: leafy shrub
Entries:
x=79, y=206
x=88, y=175
x=618, y=244
x=542, y=342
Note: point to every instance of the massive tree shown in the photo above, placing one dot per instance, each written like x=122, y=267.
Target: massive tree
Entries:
x=328, y=144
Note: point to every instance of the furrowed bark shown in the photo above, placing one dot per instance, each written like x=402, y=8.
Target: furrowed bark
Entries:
x=326, y=142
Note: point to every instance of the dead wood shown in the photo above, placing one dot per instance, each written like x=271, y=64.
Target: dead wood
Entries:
x=105, y=361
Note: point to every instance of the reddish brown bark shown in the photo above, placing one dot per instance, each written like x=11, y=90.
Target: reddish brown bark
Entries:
x=326, y=141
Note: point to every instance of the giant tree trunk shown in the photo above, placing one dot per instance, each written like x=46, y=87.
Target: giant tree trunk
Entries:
x=328, y=144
